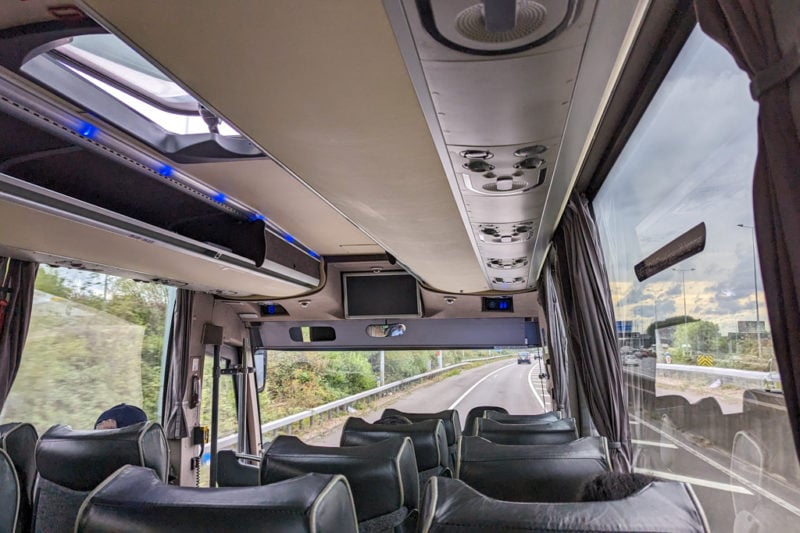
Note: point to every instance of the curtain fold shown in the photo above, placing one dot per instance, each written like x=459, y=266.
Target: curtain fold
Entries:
x=176, y=426
x=746, y=29
x=585, y=297
x=556, y=337
x=17, y=279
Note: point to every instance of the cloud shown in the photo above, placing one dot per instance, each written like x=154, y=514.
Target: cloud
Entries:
x=690, y=160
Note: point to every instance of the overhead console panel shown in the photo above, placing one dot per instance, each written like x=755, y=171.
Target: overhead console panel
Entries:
x=500, y=77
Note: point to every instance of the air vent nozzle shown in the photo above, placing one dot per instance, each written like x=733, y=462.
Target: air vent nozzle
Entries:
x=507, y=264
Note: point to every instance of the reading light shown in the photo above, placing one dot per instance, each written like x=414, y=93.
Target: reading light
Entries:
x=304, y=303
x=476, y=154
x=530, y=150
x=450, y=300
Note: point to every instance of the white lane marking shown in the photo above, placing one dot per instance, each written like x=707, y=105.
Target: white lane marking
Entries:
x=654, y=443
x=694, y=481
x=744, y=481
x=533, y=390
x=487, y=376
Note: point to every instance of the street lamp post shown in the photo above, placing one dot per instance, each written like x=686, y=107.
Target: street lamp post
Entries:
x=683, y=272
x=755, y=286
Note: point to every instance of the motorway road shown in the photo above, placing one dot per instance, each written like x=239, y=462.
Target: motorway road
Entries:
x=503, y=383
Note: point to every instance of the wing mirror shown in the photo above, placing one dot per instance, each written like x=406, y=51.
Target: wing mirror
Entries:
x=260, y=362
x=386, y=330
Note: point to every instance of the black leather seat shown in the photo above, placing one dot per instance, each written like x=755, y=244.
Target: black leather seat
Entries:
x=136, y=499
x=450, y=505
x=450, y=419
x=557, y=432
x=382, y=476
x=72, y=463
x=18, y=440
x=479, y=412
x=428, y=436
x=505, y=418
x=10, y=495
x=524, y=473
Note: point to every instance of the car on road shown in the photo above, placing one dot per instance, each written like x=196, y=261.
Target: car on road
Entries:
x=523, y=357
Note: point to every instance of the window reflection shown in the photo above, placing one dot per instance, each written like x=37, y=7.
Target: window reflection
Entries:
x=695, y=339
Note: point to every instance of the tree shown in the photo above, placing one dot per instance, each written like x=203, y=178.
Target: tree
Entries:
x=701, y=336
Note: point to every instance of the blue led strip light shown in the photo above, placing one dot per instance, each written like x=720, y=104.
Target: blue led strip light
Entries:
x=92, y=132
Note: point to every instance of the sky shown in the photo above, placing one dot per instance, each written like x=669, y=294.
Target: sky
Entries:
x=689, y=160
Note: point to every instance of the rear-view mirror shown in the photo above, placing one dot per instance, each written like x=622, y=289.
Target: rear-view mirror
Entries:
x=386, y=330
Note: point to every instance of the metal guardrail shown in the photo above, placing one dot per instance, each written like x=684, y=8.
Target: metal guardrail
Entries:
x=337, y=405
x=715, y=371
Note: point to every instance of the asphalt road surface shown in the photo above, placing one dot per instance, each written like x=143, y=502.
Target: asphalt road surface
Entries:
x=503, y=383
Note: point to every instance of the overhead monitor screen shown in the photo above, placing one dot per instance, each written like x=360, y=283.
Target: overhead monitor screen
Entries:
x=383, y=295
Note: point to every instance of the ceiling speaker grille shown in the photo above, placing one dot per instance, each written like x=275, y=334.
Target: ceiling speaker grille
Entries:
x=471, y=23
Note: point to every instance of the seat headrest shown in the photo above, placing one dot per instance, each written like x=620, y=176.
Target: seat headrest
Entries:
x=662, y=506
x=428, y=436
x=524, y=473
x=81, y=460
x=557, y=432
x=383, y=476
x=135, y=499
x=10, y=493
x=479, y=412
x=449, y=417
x=504, y=418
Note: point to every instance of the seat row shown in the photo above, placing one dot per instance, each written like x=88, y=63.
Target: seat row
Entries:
x=372, y=482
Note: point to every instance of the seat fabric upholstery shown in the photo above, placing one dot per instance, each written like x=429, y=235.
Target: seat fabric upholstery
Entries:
x=72, y=463
x=525, y=473
x=18, y=440
x=558, y=432
x=428, y=436
x=10, y=495
x=135, y=499
x=382, y=476
x=542, y=418
x=450, y=505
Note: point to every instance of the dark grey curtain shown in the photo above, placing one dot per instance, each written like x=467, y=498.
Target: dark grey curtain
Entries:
x=586, y=300
x=16, y=289
x=747, y=30
x=556, y=336
x=175, y=424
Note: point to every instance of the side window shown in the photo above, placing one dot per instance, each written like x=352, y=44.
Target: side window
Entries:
x=94, y=341
x=694, y=339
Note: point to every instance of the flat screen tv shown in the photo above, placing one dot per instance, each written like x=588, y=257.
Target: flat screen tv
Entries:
x=382, y=295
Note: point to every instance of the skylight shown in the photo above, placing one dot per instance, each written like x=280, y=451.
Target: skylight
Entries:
x=113, y=67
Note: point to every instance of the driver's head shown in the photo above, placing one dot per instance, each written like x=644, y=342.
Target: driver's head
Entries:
x=120, y=416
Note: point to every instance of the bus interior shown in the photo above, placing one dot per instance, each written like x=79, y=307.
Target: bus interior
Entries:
x=277, y=226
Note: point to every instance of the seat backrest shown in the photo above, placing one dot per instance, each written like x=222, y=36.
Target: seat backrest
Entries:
x=72, y=463
x=479, y=412
x=18, y=440
x=10, y=495
x=524, y=473
x=504, y=418
x=449, y=417
x=231, y=472
x=428, y=436
x=136, y=499
x=382, y=476
x=557, y=432
x=450, y=505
